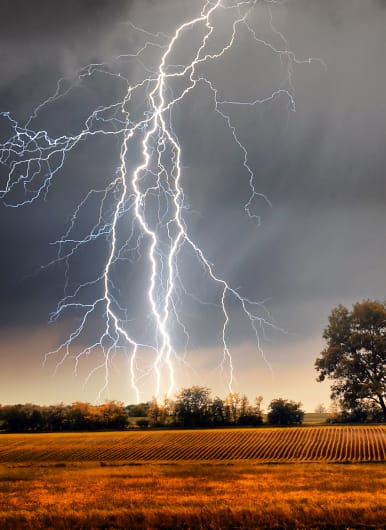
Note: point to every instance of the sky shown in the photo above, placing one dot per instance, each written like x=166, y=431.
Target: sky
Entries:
x=319, y=169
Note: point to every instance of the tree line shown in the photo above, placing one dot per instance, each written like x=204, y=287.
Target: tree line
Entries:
x=79, y=416
x=193, y=407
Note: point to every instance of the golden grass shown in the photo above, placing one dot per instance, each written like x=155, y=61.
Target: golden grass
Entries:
x=186, y=495
x=210, y=479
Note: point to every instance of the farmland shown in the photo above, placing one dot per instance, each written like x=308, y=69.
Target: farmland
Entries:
x=195, y=479
x=264, y=445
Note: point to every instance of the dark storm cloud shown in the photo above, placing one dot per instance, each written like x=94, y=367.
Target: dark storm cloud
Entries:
x=20, y=17
x=323, y=168
x=40, y=42
x=323, y=242
x=43, y=40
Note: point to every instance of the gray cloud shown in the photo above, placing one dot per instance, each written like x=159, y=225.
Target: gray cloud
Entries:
x=322, y=242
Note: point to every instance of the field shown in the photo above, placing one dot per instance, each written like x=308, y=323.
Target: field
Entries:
x=263, y=445
x=211, y=479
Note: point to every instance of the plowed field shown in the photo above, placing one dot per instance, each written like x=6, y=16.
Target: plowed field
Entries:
x=264, y=445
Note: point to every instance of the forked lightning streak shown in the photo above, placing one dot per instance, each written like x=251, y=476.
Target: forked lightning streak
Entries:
x=141, y=211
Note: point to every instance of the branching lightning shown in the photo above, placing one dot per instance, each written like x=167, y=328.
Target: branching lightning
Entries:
x=141, y=212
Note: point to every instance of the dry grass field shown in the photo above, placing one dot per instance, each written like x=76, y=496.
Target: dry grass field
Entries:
x=195, y=479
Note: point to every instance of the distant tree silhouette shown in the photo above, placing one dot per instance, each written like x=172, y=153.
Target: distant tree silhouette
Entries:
x=285, y=412
x=320, y=408
x=79, y=416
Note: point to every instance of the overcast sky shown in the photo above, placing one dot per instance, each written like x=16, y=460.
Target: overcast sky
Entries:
x=321, y=240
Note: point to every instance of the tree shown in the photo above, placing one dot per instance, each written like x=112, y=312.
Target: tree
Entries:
x=167, y=411
x=355, y=356
x=193, y=407
x=14, y=417
x=233, y=405
x=320, y=408
x=249, y=415
x=153, y=412
x=285, y=412
x=139, y=410
x=112, y=415
x=218, y=412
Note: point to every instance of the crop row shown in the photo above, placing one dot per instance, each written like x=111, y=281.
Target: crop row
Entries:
x=312, y=444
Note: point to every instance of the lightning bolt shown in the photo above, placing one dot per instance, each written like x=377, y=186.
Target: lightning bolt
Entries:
x=145, y=201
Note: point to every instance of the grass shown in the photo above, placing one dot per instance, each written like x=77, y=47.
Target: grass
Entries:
x=205, y=479
x=190, y=495
x=315, y=418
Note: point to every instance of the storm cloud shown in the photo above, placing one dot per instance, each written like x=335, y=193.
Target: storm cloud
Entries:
x=321, y=242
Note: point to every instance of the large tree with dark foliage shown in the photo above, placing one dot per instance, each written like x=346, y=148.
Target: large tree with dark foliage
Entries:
x=355, y=355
